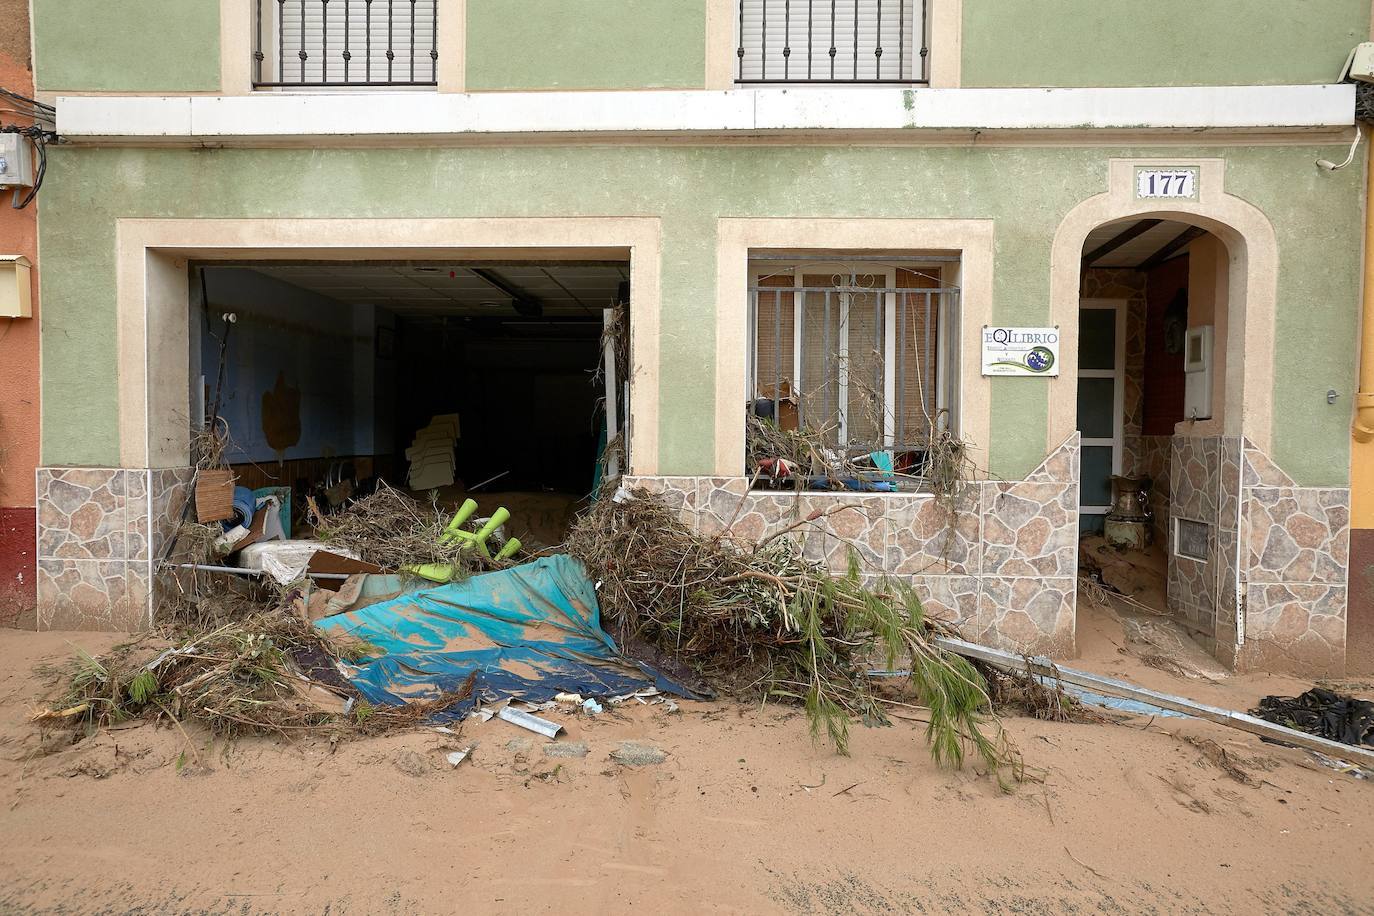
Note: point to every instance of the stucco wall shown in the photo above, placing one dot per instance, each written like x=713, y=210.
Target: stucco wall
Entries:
x=1161, y=43
x=586, y=44
x=19, y=412
x=1026, y=191
x=143, y=46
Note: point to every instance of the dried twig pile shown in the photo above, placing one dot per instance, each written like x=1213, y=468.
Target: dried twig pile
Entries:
x=758, y=618
x=393, y=530
x=244, y=677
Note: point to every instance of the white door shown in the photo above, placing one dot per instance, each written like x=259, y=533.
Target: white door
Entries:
x=1101, y=395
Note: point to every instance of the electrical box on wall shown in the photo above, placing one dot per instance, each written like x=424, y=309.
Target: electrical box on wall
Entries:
x=15, y=298
x=1197, y=378
x=16, y=164
x=1360, y=65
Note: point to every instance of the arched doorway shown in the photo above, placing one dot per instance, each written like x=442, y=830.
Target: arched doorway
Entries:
x=1212, y=451
x=1159, y=477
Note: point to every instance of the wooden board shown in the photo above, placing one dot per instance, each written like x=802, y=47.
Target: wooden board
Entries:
x=1112, y=687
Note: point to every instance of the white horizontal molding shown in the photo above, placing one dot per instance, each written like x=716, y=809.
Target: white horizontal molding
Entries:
x=698, y=112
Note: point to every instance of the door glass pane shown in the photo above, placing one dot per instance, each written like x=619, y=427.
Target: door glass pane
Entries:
x=1097, y=339
x=1097, y=407
x=1097, y=473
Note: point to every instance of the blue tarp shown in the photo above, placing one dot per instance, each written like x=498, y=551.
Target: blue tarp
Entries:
x=529, y=632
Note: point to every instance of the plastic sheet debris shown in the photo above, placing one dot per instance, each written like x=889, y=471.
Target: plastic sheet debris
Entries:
x=592, y=707
x=1324, y=713
x=528, y=633
x=1120, y=704
x=457, y=757
x=1342, y=766
x=285, y=561
x=533, y=723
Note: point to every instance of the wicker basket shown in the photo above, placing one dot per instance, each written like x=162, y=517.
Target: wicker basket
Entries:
x=214, y=496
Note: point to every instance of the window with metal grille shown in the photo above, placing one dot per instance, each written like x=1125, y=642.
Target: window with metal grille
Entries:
x=831, y=41
x=861, y=351
x=343, y=43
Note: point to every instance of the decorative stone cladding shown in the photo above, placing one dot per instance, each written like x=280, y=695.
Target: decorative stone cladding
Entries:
x=1295, y=557
x=1205, y=484
x=1278, y=559
x=1153, y=457
x=99, y=530
x=1002, y=561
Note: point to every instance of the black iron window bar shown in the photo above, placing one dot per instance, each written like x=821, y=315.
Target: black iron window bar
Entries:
x=384, y=43
x=834, y=49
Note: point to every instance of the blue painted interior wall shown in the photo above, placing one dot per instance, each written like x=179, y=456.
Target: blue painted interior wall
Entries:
x=322, y=348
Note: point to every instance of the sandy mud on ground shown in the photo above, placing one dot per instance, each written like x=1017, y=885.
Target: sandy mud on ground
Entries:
x=744, y=814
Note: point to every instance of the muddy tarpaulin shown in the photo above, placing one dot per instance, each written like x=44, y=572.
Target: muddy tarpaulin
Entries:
x=529, y=632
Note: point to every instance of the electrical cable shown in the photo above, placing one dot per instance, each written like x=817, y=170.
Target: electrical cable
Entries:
x=40, y=113
x=43, y=107
x=40, y=139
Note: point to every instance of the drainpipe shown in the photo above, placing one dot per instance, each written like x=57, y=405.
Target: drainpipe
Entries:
x=1363, y=428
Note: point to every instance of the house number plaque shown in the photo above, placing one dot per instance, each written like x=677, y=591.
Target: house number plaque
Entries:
x=1158, y=183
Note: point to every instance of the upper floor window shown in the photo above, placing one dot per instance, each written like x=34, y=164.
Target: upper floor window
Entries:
x=343, y=43
x=831, y=41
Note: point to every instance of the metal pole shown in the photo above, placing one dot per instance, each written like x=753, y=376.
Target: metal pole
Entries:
x=739, y=52
x=856, y=39
x=901, y=38
x=878, y=50
x=832, y=39
x=901, y=367
x=809, y=18
x=763, y=43
x=324, y=40
x=302, y=53
x=777, y=357
x=786, y=37
x=927, y=388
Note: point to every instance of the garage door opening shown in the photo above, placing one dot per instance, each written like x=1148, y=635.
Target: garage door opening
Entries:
x=448, y=380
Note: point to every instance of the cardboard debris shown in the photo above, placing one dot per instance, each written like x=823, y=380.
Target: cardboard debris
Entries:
x=356, y=592
x=431, y=453
x=338, y=561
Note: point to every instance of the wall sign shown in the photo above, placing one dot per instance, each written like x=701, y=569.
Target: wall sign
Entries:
x=1157, y=183
x=1020, y=351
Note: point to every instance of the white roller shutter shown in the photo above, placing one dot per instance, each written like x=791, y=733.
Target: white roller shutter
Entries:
x=326, y=29
x=855, y=28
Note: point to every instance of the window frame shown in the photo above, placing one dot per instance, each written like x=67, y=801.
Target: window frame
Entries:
x=945, y=339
